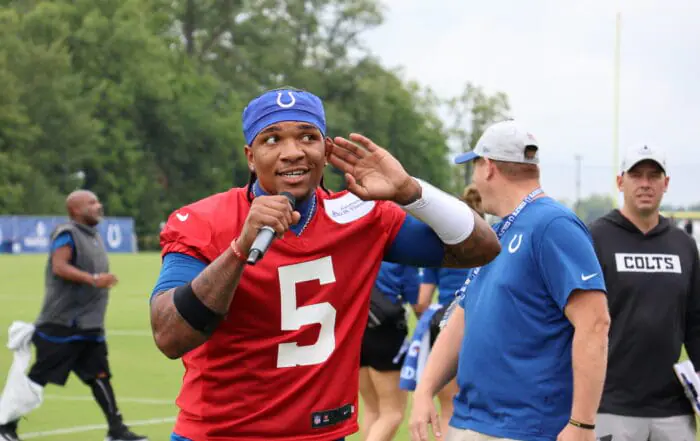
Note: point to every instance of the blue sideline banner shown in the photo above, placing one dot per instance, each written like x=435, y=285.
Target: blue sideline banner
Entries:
x=32, y=234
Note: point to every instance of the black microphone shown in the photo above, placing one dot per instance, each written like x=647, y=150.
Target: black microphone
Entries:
x=264, y=238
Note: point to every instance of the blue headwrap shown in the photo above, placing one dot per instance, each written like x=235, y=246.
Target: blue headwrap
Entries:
x=282, y=105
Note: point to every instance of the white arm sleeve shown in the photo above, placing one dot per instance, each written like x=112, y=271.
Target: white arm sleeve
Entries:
x=451, y=219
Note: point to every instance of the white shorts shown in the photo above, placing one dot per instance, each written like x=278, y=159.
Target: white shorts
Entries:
x=454, y=434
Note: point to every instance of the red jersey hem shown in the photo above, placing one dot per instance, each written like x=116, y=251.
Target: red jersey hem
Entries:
x=327, y=436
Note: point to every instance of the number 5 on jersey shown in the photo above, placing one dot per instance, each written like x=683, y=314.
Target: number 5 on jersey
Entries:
x=293, y=318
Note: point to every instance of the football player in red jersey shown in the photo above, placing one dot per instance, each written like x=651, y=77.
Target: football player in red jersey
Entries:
x=271, y=351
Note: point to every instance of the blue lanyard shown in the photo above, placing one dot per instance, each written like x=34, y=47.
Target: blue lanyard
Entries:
x=507, y=223
x=511, y=217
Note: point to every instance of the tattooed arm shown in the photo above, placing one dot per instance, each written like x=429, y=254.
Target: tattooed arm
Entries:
x=214, y=286
x=479, y=248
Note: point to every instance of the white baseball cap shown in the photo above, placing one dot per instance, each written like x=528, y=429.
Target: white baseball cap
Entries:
x=636, y=154
x=503, y=141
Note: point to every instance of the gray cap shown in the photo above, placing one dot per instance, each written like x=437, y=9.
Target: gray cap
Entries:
x=503, y=141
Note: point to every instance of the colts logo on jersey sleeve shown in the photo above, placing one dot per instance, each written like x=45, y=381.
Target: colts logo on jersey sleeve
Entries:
x=647, y=263
x=347, y=208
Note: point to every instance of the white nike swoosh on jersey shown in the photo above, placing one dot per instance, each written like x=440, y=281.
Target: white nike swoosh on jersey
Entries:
x=588, y=277
x=182, y=217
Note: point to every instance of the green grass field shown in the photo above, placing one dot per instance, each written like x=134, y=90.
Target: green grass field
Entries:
x=145, y=382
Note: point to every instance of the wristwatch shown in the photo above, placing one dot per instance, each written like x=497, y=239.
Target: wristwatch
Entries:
x=95, y=276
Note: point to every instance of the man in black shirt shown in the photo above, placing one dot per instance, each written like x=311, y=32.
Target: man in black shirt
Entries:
x=653, y=277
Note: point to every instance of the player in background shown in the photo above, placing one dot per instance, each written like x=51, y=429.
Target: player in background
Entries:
x=272, y=350
x=69, y=334
x=447, y=281
x=383, y=350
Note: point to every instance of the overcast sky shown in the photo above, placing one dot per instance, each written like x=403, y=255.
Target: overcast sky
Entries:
x=555, y=60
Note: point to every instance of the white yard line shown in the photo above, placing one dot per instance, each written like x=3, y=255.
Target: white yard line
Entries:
x=114, y=333
x=119, y=399
x=78, y=429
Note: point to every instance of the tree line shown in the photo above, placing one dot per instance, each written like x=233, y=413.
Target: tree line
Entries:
x=140, y=100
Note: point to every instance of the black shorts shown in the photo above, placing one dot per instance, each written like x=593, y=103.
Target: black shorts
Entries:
x=58, y=353
x=381, y=345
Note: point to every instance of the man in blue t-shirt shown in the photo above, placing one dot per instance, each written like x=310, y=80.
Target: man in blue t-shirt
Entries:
x=528, y=340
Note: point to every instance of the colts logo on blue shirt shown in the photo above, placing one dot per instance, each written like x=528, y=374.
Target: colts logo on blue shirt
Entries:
x=515, y=243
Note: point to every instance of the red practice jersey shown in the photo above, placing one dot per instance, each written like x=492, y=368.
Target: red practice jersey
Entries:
x=284, y=365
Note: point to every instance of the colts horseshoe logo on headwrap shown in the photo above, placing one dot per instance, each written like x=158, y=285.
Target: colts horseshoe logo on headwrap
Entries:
x=287, y=105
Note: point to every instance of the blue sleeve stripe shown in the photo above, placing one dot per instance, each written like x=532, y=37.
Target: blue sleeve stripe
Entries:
x=416, y=244
x=70, y=338
x=178, y=269
x=62, y=240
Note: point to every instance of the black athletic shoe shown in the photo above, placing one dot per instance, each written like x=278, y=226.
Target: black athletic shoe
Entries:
x=8, y=432
x=124, y=434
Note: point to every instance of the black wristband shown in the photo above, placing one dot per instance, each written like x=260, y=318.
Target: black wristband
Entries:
x=581, y=425
x=194, y=312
